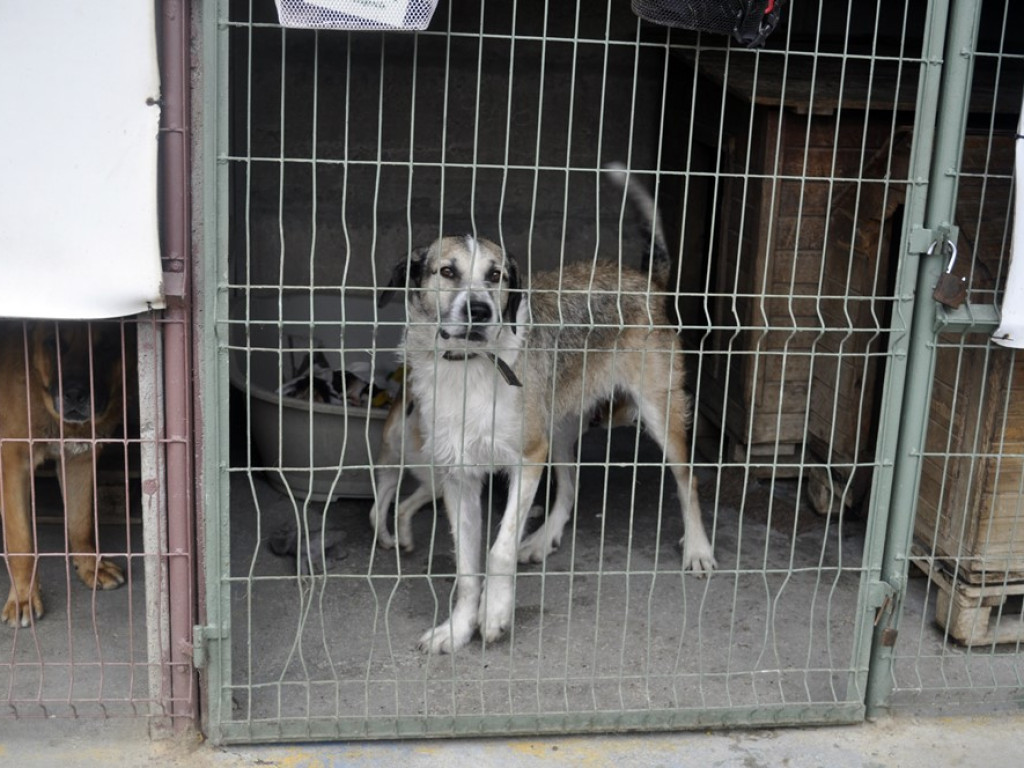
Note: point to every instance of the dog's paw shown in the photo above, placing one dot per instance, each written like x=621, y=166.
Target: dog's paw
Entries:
x=99, y=573
x=381, y=534
x=445, y=638
x=496, y=609
x=21, y=612
x=537, y=546
x=405, y=540
x=698, y=558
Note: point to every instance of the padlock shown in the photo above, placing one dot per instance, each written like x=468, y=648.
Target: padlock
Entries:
x=950, y=291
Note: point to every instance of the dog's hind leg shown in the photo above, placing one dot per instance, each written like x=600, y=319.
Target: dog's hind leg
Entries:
x=386, y=477
x=424, y=494
x=548, y=537
x=498, y=600
x=76, y=478
x=23, y=602
x=664, y=410
x=462, y=503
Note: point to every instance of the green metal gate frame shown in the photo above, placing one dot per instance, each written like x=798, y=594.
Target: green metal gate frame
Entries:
x=938, y=137
x=930, y=218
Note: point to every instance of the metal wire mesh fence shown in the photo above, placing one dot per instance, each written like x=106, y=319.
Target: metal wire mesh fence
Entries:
x=96, y=487
x=85, y=620
x=784, y=179
x=962, y=626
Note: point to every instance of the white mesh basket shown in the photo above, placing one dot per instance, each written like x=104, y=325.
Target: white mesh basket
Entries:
x=356, y=14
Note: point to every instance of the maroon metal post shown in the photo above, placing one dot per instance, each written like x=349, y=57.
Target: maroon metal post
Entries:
x=175, y=134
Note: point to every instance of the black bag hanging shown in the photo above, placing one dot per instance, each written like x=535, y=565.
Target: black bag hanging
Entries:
x=748, y=21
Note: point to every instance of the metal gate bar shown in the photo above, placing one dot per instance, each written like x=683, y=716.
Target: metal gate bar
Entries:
x=210, y=653
x=957, y=634
x=952, y=80
x=175, y=355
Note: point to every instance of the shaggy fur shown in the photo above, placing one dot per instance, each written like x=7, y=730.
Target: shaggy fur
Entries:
x=499, y=377
x=401, y=448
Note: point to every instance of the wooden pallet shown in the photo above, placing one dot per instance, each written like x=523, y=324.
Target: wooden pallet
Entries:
x=965, y=611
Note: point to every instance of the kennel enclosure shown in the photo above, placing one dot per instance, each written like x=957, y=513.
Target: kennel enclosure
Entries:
x=857, y=446
x=118, y=248
x=799, y=227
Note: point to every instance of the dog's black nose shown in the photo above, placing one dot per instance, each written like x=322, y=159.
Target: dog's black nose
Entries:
x=77, y=404
x=479, y=312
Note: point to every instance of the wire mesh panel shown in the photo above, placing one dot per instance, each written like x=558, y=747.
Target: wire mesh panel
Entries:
x=84, y=620
x=961, y=627
x=781, y=179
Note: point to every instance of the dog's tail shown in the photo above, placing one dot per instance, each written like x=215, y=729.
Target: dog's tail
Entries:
x=655, y=258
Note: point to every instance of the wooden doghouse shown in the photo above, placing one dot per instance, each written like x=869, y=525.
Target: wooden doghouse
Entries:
x=804, y=243
x=970, y=522
x=810, y=218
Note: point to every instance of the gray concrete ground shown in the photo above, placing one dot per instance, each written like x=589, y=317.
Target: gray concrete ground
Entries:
x=992, y=742
x=608, y=623
x=782, y=568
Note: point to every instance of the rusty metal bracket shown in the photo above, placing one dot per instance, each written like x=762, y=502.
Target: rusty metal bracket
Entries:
x=884, y=598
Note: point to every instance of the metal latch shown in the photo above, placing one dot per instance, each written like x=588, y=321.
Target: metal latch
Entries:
x=951, y=290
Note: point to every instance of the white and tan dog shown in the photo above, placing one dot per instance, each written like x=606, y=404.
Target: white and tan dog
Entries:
x=401, y=448
x=498, y=377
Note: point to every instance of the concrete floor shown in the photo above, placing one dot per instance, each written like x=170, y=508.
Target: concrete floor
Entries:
x=780, y=609
x=892, y=743
x=88, y=655
x=608, y=623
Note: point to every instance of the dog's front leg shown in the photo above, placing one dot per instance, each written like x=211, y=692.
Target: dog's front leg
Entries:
x=499, y=592
x=76, y=479
x=23, y=602
x=462, y=503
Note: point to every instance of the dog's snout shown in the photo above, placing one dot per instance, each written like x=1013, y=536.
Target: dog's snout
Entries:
x=75, y=402
x=479, y=312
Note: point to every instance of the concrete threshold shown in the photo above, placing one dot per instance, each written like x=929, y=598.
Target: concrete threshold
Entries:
x=900, y=742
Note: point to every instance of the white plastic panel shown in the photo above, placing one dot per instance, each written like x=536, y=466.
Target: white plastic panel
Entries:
x=78, y=159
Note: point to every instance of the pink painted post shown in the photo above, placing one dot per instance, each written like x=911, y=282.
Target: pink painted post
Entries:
x=175, y=25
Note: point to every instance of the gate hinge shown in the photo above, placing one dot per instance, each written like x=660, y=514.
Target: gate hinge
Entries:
x=920, y=239
x=202, y=637
x=883, y=597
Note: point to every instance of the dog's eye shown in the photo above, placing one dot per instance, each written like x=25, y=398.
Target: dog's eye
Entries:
x=494, y=276
x=447, y=272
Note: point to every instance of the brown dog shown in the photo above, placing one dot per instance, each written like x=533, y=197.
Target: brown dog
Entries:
x=60, y=390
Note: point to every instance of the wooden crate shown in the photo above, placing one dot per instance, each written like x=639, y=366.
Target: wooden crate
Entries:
x=970, y=513
x=857, y=264
x=982, y=206
x=802, y=263
x=804, y=260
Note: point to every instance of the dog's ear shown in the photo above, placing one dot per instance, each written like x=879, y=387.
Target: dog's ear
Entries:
x=406, y=273
x=515, y=293
x=398, y=280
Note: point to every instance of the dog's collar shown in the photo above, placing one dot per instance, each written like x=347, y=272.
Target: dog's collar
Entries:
x=503, y=368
